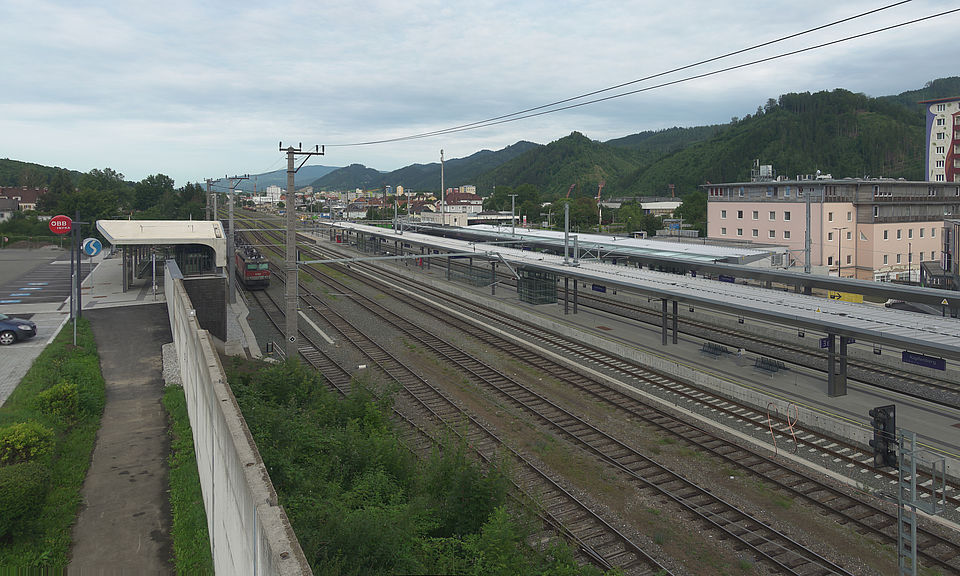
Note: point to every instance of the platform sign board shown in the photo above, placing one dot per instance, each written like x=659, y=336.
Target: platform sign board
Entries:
x=599, y=288
x=825, y=342
x=725, y=278
x=61, y=224
x=845, y=296
x=921, y=360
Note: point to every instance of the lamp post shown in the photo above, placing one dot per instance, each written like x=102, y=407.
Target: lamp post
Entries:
x=839, y=251
x=513, y=222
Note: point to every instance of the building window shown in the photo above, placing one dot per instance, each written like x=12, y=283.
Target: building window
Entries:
x=849, y=235
x=876, y=211
x=940, y=136
x=772, y=234
x=756, y=233
x=933, y=254
x=829, y=260
x=829, y=216
x=773, y=215
x=933, y=232
x=899, y=236
x=756, y=214
x=740, y=192
x=941, y=107
x=910, y=233
x=941, y=163
x=941, y=150
x=786, y=192
x=723, y=231
x=848, y=259
x=921, y=232
x=940, y=178
x=885, y=258
x=786, y=234
x=849, y=216
x=739, y=231
x=723, y=214
x=786, y=216
x=921, y=256
x=829, y=236
x=886, y=234
x=898, y=258
x=739, y=214
x=941, y=121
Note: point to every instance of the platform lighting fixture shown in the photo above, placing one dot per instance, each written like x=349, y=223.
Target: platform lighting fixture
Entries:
x=800, y=333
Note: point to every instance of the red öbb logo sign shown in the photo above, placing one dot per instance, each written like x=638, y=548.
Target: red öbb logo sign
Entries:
x=61, y=224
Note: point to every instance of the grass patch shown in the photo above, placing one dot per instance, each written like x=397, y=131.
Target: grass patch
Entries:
x=191, y=540
x=361, y=504
x=42, y=536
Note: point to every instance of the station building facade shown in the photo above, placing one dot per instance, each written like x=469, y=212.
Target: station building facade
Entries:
x=871, y=229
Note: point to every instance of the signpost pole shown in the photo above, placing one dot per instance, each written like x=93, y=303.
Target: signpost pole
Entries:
x=76, y=246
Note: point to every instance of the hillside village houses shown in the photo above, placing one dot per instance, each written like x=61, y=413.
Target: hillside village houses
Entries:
x=18, y=198
x=881, y=229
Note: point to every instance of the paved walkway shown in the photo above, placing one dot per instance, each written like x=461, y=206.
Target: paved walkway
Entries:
x=124, y=526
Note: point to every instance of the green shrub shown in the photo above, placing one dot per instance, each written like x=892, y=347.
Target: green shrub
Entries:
x=61, y=402
x=23, y=488
x=24, y=441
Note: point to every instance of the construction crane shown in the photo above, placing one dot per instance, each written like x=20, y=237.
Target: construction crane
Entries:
x=569, y=190
x=600, y=189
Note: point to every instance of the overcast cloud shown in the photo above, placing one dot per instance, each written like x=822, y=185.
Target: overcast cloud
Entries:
x=200, y=90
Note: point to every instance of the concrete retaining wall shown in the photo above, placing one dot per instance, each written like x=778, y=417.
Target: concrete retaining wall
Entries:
x=249, y=531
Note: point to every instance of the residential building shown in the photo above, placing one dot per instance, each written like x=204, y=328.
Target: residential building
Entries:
x=26, y=197
x=943, y=139
x=867, y=228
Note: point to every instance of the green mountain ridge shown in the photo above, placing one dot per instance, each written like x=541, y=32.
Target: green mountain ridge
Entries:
x=838, y=132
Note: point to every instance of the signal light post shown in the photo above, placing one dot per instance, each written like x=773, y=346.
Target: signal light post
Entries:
x=898, y=450
x=884, y=436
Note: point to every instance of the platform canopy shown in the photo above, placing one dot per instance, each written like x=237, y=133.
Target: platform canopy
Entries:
x=167, y=232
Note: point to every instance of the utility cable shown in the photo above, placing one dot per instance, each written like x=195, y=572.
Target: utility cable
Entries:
x=552, y=107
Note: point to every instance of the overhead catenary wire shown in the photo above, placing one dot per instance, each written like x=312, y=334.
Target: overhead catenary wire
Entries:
x=556, y=106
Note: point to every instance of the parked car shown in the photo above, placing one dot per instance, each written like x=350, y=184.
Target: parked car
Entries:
x=13, y=329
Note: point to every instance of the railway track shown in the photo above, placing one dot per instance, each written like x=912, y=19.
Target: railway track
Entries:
x=876, y=521
x=596, y=539
x=767, y=545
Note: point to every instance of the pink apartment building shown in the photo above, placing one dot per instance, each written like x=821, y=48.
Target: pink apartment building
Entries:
x=871, y=229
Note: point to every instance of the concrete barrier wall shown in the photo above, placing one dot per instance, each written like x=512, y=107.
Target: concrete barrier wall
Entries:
x=249, y=531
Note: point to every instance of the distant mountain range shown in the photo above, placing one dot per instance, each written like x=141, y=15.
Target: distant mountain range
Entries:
x=837, y=132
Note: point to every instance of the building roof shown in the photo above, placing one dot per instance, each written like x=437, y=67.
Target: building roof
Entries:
x=152, y=232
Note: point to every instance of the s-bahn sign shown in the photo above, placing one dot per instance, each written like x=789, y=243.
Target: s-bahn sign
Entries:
x=61, y=224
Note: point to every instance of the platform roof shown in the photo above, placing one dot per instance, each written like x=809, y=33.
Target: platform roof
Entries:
x=167, y=232
x=922, y=333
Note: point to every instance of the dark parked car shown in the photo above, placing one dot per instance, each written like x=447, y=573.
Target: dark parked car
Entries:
x=13, y=329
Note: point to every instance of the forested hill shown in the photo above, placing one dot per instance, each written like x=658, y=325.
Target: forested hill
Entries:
x=16, y=173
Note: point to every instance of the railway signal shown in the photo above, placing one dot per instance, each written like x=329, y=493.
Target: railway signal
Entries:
x=884, y=420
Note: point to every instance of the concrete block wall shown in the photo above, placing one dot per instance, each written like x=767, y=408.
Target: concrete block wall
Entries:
x=249, y=532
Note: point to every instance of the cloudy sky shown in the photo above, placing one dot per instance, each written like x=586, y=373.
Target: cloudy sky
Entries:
x=199, y=90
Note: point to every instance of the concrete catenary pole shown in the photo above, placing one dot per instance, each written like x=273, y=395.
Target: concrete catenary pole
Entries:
x=443, y=194
x=290, y=298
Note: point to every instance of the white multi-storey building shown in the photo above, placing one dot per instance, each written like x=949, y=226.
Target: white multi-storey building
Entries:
x=943, y=139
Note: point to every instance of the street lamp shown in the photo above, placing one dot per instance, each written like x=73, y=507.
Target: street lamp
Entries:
x=839, y=252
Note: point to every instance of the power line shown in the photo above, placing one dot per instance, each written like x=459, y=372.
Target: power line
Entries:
x=552, y=107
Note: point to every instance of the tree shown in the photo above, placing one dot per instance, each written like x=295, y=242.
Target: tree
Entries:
x=694, y=211
x=149, y=191
x=60, y=188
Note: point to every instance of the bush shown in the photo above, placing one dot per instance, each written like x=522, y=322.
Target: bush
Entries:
x=24, y=441
x=61, y=402
x=23, y=488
